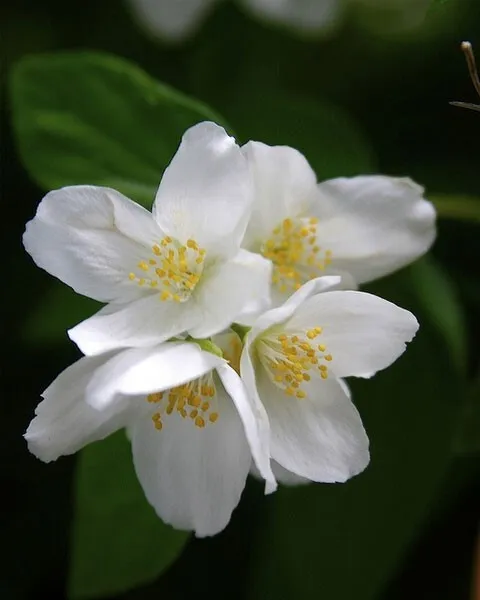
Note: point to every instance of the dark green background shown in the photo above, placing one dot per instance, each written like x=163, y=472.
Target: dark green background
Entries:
x=397, y=89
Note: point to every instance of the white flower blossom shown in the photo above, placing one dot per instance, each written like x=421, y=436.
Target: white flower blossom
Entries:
x=177, y=19
x=177, y=269
x=192, y=426
x=294, y=361
x=362, y=227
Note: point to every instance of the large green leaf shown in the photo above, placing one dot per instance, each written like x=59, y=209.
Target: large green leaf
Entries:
x=346, y=541
x=58, y=310
x=438, y=298
x=118, y=542
x=329, y=138
x=86, y=118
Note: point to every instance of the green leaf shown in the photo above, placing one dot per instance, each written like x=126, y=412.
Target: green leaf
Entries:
x=87, y=118
x=460, y=208
x=58, y=310
x=467, y=436
x=328, y=137
x=118, y=541
x=437, y=297
x=346, y=541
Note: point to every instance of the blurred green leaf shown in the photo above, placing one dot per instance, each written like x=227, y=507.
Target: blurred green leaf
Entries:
x=118, y=541
x=86, y=118
x=467, y=436
x=346, y=541
x=461, y=208
x=436, y=295
x=329, y=138
x=58, y=310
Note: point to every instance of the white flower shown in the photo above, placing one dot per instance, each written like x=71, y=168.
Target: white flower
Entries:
x=177, y=270
x=294, y=361
x=365, y=227
x=192, y=427
x=177, y=19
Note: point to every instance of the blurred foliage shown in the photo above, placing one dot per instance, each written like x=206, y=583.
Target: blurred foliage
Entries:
x=353, y=103
x=118, y=542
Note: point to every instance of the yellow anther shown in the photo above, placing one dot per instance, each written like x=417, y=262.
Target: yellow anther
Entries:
x=154, y=283
x=317, y=330
x=193, y=413
x=324, y=374
x=141, y=281
x=131, y=276
x=177, y=298
x=313, y=221
x=165, y=295
x=290, y=391
x=199, y=260
x=304, y=231
x=213, y=417
x=192, y=244
x=205, y=406
x=143, y=265
x=156, y=250
x=200, y=422
x=328, y=357
x=322, y=347
x=301, y=394
x=152, y=261
x=306, y=377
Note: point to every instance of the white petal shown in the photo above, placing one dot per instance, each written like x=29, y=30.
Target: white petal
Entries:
x=193, y=477
x=206, y=192
x=255, y=423
x=65, y=422
x=144, y=322
x=170, y=19
x=362, y=332
x=308, y=16
x=142, y=371
x=374, y=225
x=236, y=290
x=91, y=238
x=320, y=437
x=284, y=312
x=284, y=185
x=282, y=475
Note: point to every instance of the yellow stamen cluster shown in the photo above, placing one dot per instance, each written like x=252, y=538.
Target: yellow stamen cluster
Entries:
x=194, y=400
x=174, y=269
x=292, y=359
x=294, y=252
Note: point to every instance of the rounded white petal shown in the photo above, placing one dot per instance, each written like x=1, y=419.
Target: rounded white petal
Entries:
x=193, y=477
x=373, y=225
x=235, y=290
x=144, y=322
x=284, y=186
x=206, y=192
x=308, y=16
x=170, y=19
x=255, y=423
x=284, y=312
x=363, y=333
x=320, y=437
x=65, y=422
x=141, y=371
x=91, y=238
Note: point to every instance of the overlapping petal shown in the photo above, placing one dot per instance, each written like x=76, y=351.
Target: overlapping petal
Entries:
x=193, y=477
x=206, y=192
x=363, y=333
x=90, y=238
x=373, y=225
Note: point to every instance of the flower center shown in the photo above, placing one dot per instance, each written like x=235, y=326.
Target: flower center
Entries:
x=173, y=269
x=294, y=252
x=195, y=400
x=289, y=358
